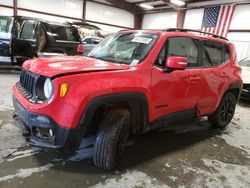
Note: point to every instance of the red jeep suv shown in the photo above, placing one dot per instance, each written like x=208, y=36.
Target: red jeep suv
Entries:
x=132, y=82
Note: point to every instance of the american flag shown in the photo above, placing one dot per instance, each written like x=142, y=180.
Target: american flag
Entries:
x=216, y=20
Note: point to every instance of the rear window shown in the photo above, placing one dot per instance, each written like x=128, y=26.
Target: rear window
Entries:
x=5, y=26
x=64, y=33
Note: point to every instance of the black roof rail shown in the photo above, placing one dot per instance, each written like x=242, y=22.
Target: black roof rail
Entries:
x=196, y=31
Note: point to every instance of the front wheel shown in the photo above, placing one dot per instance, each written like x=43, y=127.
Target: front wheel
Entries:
x=225, y=111
x=111, y=138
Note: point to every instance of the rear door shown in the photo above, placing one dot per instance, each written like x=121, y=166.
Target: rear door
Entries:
x=215, y=59
x=26, y=45
x=6, y=23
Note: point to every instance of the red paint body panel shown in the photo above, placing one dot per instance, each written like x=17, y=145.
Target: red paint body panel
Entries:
x=200, y=88
x=52, y=66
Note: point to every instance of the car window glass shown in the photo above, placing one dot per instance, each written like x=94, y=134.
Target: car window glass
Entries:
x=161, y=57
x=97, y=41
x=63, y=33
x=28, y=30
x=227, y=52
x=5, y=26
x=212, y=54
x=184, y=47
x=70, y=34
x=128, y=48
x=87, y=41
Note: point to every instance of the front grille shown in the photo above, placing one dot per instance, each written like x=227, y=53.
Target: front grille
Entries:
x=27, y=83
x=24, y=92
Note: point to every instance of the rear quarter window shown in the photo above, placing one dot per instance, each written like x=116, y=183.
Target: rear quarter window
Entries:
x=212, y=53
x=64, y=33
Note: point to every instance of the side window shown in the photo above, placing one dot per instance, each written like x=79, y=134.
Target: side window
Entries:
x=71, y=34
x=63, y=33
x=227, y=53
x=185, y=47
x=28, y=30
x=212, y=53
x=161, y=57
x=5, y=23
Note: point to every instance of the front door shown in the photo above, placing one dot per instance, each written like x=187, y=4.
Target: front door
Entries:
x=25, y=45
x=177, y=90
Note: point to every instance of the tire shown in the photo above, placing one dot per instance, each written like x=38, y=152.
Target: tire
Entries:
x=111, y=138
x=225, y=111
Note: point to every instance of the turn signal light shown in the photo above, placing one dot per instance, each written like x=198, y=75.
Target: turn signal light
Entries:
x=64, y=89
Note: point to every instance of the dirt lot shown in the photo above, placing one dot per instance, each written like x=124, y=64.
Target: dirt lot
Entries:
x=193, y=155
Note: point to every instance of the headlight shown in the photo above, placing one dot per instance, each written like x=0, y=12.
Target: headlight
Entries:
x=48, y=88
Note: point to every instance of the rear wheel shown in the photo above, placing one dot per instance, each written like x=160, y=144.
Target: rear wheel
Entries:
x=225, y=111
x=111, y=138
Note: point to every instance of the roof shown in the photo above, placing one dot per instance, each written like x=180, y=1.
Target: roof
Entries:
x=189, y=32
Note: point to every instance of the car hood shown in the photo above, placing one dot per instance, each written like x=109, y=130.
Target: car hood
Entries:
x=54, y=66
x=245, y=74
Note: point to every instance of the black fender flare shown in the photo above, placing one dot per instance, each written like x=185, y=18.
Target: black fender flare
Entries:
x=235, y=85
x=138, y=105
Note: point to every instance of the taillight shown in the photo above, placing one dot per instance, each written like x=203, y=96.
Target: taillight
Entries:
x=80, y=48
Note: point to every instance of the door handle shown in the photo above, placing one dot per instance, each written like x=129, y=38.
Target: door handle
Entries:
x=195, y=78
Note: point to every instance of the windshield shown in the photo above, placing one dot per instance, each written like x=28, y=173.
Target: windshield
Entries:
x=126, y=48
x=245, y=63
x=5, y=26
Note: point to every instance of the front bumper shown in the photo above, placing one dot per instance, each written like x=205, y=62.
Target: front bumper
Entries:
x=245, y=92
x=60, y=137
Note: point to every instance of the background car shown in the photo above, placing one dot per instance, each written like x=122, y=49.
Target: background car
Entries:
x=89, y=43
x=6, y=29
x=245, y=66
x=23, y=38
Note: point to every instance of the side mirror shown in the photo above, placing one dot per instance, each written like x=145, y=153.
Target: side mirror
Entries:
x=176, y=62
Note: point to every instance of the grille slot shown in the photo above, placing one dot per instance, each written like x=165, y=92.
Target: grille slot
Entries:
x=27, y=81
